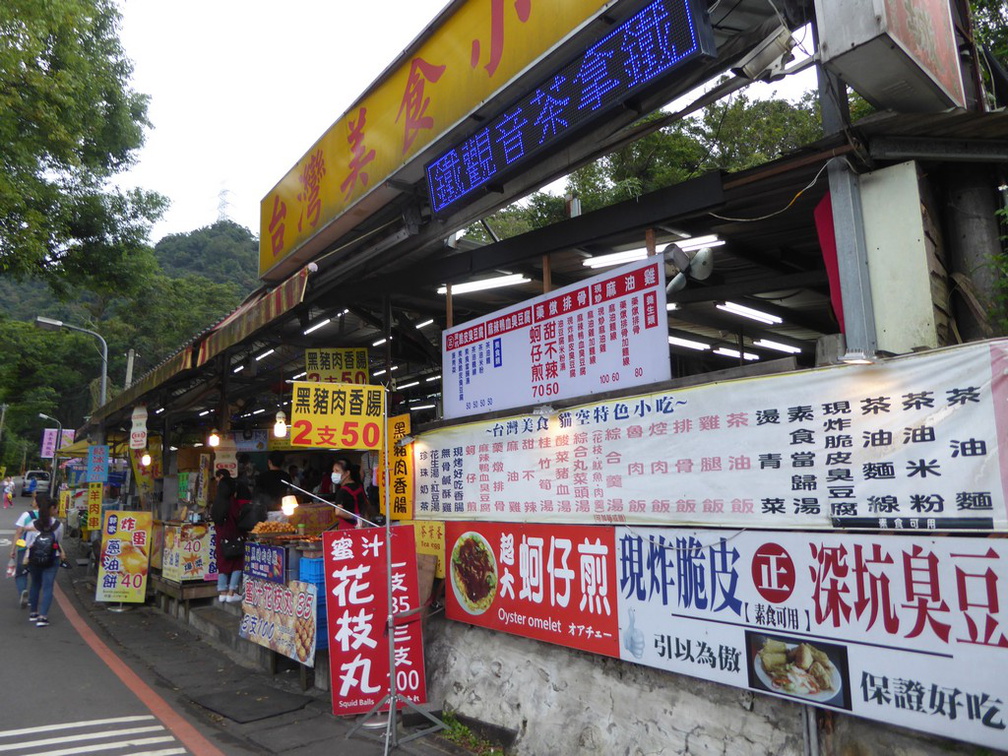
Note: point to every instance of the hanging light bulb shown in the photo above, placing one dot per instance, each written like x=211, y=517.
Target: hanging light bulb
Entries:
x=280, y=427
x=145, y=458
x=214, y=438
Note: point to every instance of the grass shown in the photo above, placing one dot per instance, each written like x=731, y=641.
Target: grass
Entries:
x=460, y=734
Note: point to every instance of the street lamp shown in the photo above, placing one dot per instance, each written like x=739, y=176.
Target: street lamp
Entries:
x=48, y=324
x=59, y=443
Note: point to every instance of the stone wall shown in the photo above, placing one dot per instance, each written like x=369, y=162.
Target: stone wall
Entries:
x=558, y=701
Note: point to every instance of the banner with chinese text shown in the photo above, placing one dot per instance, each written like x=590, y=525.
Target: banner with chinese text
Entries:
x=94, y=504
x=281, y=617
x=430, y=539
x=907, y=630
x=52, y=441
x=400, y=474
x=462, y=61
x=122, y=570
x=97, y=463
x=190, y=553
x=911, y=443
x=603, y=334
x=337, y=416
x=556, y=585
x=356, y=584
x=337, y=365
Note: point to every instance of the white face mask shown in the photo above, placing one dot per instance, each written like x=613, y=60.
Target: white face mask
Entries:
x=336, y=477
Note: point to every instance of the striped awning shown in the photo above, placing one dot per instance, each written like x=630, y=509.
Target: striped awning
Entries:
x=252, y=316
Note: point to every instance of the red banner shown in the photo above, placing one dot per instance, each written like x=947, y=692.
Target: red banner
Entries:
x=356, y=583
x=527, y=580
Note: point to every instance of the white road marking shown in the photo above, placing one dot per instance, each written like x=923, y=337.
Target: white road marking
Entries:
x=71, y=725
x=165, y=752
x=99, y=747
x=81, y=736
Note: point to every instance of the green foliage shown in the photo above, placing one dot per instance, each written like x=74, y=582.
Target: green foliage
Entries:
x=990, y=23
x=222, y=252
x=68, y=122
x=999, y=262
x=459, y=734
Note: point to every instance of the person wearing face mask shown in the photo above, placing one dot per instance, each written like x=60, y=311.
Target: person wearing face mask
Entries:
x=349, y=493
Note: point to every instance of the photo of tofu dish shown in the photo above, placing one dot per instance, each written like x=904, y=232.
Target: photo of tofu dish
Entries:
x=797, y=669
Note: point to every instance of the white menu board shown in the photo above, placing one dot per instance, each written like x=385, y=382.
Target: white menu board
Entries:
x=912, y=442
x=609, y=332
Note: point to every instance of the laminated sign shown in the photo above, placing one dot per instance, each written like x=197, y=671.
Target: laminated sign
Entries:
x=125, y=553
x=341, y=365
x=337, y=416
x=356, y=584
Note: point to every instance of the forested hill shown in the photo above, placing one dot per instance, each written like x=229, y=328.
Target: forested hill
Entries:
x=224, y=253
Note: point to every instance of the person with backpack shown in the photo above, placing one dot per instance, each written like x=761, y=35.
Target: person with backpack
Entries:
x=42, y=556
x=225, y=513
x=350, y=493
x=24, y=523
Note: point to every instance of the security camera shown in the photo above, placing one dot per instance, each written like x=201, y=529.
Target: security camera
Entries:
x=766, y=62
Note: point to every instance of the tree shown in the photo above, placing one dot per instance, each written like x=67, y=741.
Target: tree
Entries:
x=68, y=122
x=223, y=252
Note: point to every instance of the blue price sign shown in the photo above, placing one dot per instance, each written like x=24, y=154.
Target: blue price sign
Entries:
x=636, y=55
x=265, y=562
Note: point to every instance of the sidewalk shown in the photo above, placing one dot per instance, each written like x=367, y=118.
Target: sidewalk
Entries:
x=186, y=666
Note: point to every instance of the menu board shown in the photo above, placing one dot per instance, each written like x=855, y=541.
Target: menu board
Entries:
x=912, y=443
x=606, y=333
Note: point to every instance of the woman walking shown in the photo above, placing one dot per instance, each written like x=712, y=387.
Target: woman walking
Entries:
x=42, y=556
x=231, y=496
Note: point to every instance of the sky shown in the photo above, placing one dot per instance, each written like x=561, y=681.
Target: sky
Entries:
x=240, y=89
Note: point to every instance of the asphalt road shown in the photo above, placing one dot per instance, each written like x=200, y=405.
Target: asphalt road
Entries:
x=62, y=695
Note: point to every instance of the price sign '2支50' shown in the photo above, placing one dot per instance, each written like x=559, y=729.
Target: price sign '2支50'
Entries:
x=337, y=415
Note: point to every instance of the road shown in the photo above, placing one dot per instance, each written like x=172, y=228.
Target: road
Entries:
x=66, y=692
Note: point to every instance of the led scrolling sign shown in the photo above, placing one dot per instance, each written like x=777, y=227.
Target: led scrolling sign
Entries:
x=635, y=55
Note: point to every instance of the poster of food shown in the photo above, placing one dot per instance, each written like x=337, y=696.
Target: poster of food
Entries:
x=189, y=553
x=265, y=562
x=552, y=584
x=122, y=569
x=357, y=592
x=281, y=617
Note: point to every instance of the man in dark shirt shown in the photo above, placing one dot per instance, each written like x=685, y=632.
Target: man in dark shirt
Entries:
x=273, y=483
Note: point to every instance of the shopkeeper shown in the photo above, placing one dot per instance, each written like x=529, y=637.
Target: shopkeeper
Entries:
x=349, y=493
x=273, y=483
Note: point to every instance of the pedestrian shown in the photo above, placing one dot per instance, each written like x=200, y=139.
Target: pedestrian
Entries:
x=43, y=555
x=24, y=523
x=8, y=492
x=272, y=484
x=230, y=540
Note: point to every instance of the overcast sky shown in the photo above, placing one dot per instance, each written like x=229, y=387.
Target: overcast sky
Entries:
x=240, y=89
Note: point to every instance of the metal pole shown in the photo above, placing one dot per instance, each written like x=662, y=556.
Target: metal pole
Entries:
x=103, y=390
x=392, y=731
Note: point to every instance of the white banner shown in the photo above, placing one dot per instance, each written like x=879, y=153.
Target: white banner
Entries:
x=911, y=442
x=608, y=332
x=908, y=631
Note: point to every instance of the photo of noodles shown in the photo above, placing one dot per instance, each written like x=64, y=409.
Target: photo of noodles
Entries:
x=797, y=669
x=473, y=573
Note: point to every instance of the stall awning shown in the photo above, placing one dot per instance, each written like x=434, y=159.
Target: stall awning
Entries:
x=79, y=448
x=252, y=316
x=171, y=367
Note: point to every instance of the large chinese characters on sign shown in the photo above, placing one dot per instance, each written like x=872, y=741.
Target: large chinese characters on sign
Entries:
x=337, y=365
x=125, y=556
x=909, y=631
x=357, y=606
x=468, y=57
x=601, y=335
x=337, y=416
x=913, y=442
x=552, y=585
x=637, y=54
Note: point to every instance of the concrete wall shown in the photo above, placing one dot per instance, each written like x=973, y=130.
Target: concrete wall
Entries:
x=560, y=701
